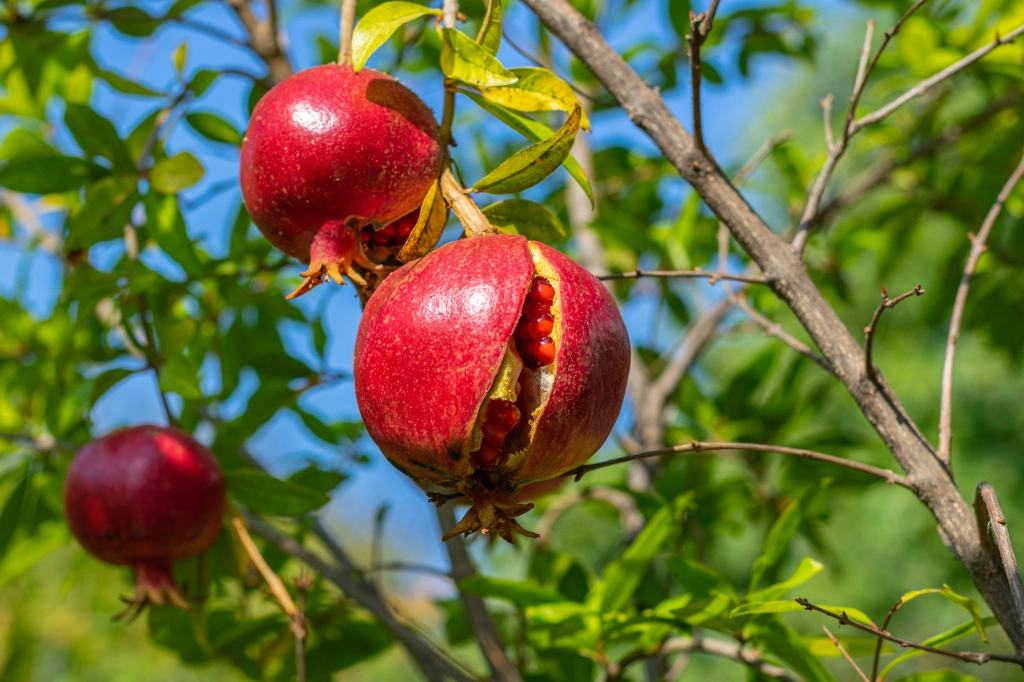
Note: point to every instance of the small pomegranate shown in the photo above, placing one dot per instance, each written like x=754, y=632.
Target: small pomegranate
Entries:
x=329, y=152
x=489, y=364
x=145, y=497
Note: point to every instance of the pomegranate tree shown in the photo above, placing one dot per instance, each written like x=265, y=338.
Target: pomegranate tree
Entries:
x=329, y=152
x=145, y=497
x=489, y=364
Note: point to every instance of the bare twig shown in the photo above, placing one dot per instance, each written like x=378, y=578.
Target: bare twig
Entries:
x=700, y=26
x=415, y=568
x=697, y=273
x=483, y=625
x=966, y=656
x=977, y=249
x=728, y=650
x=303, y=584
x=698, y=448
x=849, y=659
x=348, y=24
x=826, y=110
x=763, y=152
x=869, y=331
x=928, y=83
x=153, y=359
x=881, y=640
x=991, y=519
x=776, y=330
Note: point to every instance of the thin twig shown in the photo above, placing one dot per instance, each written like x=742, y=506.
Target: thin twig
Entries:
x=966, y=656
x=826, y=110
x=927, y=83
x=977, y=249
x=303, y=584
x=415, y=568
x=348, y=24
x=698, y=448
x=696, y=273
x=869, y=331
x=727, y=650
x=263, y=38
x=153, y=359
x=991, y=519
x=763, y=152
x=881, y=640
x=276, y=585
x=849, y=659
x=450, y=13
x=776, y=330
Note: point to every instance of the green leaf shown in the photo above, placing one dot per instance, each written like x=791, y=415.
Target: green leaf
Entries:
x=106, y=381
x=107, y=209
x=535, y=132
x=776, y=543
x=963, y=602
x=518, y=592
x=315, y=478
x=264, y=494
x=807, y=569
x=786, y=644
x=133, y=21
x=173, y=174
x=531, y=165
x=179, y=375
x=49, y=174
x=822, y=647
x=122, y=84
x=785, y=605
x=166, y=226
x=377, y=25
x=940, y=640
x=536, y=90
x=939, y=676
x=10, y=517
x=202, y=80
x=621, y=577
x=489, y=37
x=179, y=57
x=530, y=219
x=31, y=549
x=467, y=62
x=97, y=136
x=213, y=127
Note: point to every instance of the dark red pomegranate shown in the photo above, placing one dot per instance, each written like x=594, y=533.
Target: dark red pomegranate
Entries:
x=145, y=497
x=489, y=364
x=330, y=151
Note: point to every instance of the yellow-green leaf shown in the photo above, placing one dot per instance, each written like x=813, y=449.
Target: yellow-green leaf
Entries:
x=535, y=132
x=377, y=25
x=176, y=173
x=963, y=602
x=489, y=37
x=940, y=640
x=784, y=605
x=530, y=219
x=429, y=226
x=467, y=62
x=531, y=165
x=536, y=90
x=179, y=57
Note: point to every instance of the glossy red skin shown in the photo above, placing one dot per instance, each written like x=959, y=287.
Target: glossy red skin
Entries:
x=144, y=495
x=328, y=144
x=423, y=365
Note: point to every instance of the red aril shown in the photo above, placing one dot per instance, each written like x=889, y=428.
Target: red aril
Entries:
x=328, y=152
x=454, y=388
x=145, y=497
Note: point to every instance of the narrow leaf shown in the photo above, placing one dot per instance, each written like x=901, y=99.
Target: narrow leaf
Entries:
x=429, y=226
x=530, y=219
x=179, y=375
x=31, y=549
x=516, y=591
x=536, y=90
x=262, y=493
x=97, y=135
x=785, y=605
x=467, y=62
x=176, y=173
x=776, y=542
x=49, y=174
x=807, y=569
x=940, y=640
x=377, y=25
x=167, y=227
x=531, y=165
x=213, y=127
x=489, y=37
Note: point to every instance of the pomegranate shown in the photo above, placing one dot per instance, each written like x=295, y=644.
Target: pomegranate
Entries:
x=145, y=497
x=489, y=364
x=329, y=151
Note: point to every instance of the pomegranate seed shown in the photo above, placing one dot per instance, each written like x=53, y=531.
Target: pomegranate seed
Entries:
x=541, y=326
x=534, y=309
x=542, y=290
x=389, y=230
x=405, y=230
x=488, y=455
x=494, y=433
x=365, y=235
x=544, y=350
x=504, y=414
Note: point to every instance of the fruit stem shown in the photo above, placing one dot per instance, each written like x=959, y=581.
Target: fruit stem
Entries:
x=348, y=24
x=464, y=208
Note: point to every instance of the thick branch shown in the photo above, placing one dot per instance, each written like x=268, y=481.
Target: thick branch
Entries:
x=263, y=38
x=991, y=518
x=977, y=248
x=479, y=618
x=790, y=280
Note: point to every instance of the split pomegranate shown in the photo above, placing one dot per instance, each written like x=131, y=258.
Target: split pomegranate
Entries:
x=145, y=497
x=328, y=152
x=489, y=364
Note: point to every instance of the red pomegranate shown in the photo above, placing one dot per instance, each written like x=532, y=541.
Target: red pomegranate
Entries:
x=330, y=151
x=145, y=497
x=489, y=364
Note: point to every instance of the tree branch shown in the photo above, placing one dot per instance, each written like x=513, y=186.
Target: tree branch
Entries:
x=991, y=518
x=263, y=38
x=849, y=659
x=869, y=331
x=966, y=656
x=697, y=273
x=776, y=330
x=733, y=652
x=977, y=249
x=698, y=448
x=480, y=619
x=464, y=208
x=763, y=152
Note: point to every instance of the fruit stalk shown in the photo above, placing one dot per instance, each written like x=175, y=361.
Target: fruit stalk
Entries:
x=348, y=24
x=464, y=208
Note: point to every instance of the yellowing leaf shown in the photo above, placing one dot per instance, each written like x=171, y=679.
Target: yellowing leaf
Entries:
x=489, y=37
x=531, y=165
x=179, y=57
x=536, y=90
x=467, y=62
x=377, y=25
x=429, y=225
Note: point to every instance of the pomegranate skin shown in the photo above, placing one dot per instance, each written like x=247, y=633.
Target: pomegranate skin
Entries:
x=429, y=345
x=428, y=350
x=145, y=497
x=328, y=145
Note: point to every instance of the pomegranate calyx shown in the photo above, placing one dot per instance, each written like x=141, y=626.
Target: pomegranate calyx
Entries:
x=331, y=255
x=154, y=584
x=491, y=515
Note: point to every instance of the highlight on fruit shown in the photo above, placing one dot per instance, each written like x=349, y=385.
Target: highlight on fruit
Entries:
x=330, y=161
x=145, y=497
x=490, y=364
